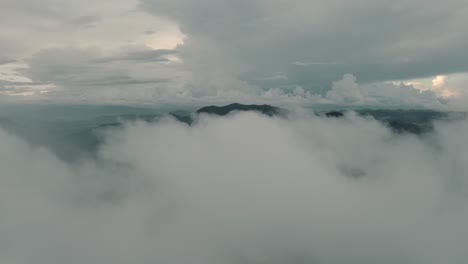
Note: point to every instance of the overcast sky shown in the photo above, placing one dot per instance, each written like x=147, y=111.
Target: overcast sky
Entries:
x=359, y=52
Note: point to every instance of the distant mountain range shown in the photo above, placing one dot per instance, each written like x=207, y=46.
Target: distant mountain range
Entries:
x=224, y=110
x=401, y=121
x=267, y=110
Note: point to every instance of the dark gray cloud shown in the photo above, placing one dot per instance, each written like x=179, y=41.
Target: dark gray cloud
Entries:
x=375, y=41
x=86, y=21
x=148, y=55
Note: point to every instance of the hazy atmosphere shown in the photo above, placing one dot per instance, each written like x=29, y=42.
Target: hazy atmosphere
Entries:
x=233, y=132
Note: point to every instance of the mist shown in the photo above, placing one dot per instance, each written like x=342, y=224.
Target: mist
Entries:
x=240, y=189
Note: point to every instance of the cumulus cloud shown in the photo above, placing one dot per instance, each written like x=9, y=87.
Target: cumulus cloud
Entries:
x=439, y=81
x=450, y=90
x=348, y=91
x=241, y=189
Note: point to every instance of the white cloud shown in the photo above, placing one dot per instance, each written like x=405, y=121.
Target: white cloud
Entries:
x=241, y=189
x=439, y=81
x=450, y=89
x=383, y=94
x=346, y=91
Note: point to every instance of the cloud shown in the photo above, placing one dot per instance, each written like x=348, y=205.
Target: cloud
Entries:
x=87, y=20
x=219, y=49
x=5, y=60
x=241, y=189
x=300, y=63
x=439, y=81
x=383, y=94
x=28, y=26
x=148, y=55
x=90, y=74
x=381, y=41
x=346, y=91
x=449, y=89
x=60, y=43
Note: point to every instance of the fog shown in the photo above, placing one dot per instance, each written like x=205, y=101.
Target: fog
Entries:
x=241, y=189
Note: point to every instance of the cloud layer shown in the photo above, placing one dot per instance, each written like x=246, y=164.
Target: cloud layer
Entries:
x=213, y=50
x=316, y=42
x=241, y=189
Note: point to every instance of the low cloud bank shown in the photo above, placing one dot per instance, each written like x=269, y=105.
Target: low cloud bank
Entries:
x=241, y=189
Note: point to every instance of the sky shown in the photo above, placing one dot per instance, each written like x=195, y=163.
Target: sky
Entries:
x=397, y=53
